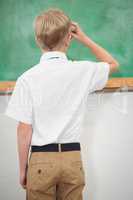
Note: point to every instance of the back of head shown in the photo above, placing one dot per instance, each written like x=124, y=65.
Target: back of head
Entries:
x=51, y=27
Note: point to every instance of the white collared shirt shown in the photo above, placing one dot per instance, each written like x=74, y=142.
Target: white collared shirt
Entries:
x=52, y=96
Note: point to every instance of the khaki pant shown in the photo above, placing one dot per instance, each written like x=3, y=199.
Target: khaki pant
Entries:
x=55, y=176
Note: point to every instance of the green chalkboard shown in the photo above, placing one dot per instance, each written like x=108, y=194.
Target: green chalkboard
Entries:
x=107, y=22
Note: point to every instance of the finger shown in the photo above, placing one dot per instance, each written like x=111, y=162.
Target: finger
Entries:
x=24, y=186
x=74, y=23
x=73, y=34
x=73, y=29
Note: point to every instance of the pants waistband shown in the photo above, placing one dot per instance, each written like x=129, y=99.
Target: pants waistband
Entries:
x=58, y=147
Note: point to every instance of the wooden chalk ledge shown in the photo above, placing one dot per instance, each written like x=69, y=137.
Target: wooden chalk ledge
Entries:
x=113, y=84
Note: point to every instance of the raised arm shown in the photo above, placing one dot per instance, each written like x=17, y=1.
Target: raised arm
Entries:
x=100, y=53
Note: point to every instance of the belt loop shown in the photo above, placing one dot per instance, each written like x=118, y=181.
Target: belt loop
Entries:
x=59, y=145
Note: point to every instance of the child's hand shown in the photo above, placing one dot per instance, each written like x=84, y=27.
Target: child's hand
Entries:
x=77, y=32
x=23, y=180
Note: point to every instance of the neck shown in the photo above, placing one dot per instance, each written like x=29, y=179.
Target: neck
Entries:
x=63, y=49
x=45, y=51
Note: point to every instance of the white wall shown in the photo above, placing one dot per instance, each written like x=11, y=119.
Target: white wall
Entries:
x=107, y=149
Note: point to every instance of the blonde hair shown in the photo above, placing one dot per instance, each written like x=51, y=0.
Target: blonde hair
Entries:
x=51, y=27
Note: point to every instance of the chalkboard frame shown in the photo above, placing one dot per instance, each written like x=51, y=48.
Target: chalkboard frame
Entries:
x=108, y=22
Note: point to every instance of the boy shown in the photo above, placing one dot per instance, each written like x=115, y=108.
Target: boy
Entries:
x=48, y=101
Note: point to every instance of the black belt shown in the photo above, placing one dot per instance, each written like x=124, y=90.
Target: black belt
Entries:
x=57, y=147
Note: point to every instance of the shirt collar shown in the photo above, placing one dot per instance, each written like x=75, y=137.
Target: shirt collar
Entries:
x=50, y=55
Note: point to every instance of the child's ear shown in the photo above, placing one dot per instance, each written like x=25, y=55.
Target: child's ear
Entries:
x=68, y=39
x=70, y=36
x=36, y=40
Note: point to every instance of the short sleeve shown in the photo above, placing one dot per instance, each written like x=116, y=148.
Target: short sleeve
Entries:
x=20, y=105
x=100, y=76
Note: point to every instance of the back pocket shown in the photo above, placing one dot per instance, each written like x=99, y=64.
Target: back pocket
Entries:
x=38, y=174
